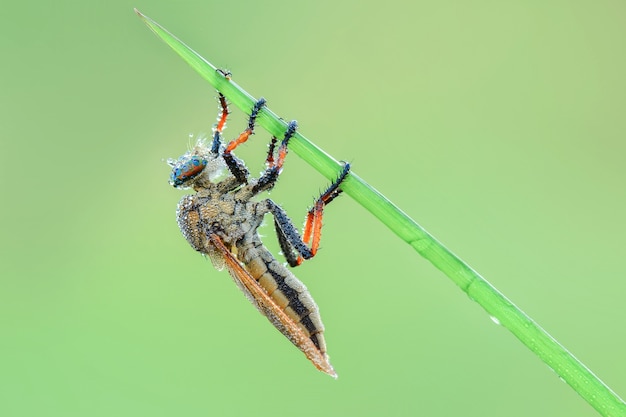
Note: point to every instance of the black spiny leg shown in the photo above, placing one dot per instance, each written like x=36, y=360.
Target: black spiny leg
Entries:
x=236, y=167
x=294, y=247
x=291, y=243
x=217, y=134
x=274, y=166
x=269, y=161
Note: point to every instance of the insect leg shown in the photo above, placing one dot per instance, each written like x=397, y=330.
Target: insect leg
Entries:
x=217, y=134
x=295, y=248
x=269, y=161
x=313, y=226
x=274, y=166
x=235, y=166
x=291, y=244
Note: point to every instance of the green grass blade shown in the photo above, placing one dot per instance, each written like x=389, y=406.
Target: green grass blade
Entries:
x=570, y=369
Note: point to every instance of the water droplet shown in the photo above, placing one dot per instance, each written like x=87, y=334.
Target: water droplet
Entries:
x=495, y=320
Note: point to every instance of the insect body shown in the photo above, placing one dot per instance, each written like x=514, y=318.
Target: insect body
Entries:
x=221, y=221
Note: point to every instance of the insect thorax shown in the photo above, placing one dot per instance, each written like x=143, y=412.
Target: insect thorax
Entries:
x=207, y=212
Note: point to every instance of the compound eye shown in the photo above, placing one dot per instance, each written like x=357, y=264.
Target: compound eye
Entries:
x=188, y=169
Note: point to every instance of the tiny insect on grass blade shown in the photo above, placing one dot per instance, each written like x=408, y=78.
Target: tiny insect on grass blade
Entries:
x=221, y=220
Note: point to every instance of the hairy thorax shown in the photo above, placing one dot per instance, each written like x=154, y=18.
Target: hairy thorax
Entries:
x=210, y=211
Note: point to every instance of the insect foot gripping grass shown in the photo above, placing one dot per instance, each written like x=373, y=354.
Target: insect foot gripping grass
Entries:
x=221, y=221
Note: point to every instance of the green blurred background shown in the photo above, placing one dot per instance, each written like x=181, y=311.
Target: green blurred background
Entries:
x=498, y=126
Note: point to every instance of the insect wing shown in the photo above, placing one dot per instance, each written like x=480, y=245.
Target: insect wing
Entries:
x=268, y=307
x=217, y=257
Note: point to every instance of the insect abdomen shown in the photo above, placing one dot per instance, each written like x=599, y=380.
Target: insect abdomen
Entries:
x=289, y=293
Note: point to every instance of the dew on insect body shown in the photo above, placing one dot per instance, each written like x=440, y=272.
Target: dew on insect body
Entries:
x=220, y=218
x=187, y=168
x=495, y=320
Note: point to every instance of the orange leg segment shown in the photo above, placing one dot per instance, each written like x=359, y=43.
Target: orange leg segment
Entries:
x=236, y=167
x=295, y=248
x=312, y=231
x=223, y=115
x=250, y=130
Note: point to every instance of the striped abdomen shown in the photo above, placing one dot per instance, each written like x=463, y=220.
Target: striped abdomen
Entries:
x=286, y=290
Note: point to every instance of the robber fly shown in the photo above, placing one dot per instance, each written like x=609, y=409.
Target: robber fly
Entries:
x=221, y=220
